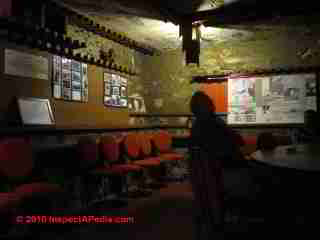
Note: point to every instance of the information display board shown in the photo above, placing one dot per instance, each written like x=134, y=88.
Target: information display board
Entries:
x=115, y=90
x=70, y=79
x=271, y=99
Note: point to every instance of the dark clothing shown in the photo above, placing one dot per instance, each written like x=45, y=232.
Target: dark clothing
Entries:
x=214, y=147
x=217, y=138
x=211, y=145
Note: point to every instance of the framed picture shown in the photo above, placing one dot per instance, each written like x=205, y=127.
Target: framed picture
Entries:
x=66, y=75
x=115, y=91
x=123, y=102
x=107, y=89
x=84, y=69
x=123, y=91
x=66, y=63
x=76, y=85
x=70, y=79
x=57, y=91
x=76, y=66
x=76, y=95
x=66, y=84
x=57, y=60
x=107, y=77
x=76, y=76
x=124, y=81
x=66, y=93
x=136, y=104
x=56, y=75
x=35, y=111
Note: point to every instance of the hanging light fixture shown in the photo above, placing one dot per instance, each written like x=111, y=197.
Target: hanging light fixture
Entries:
x=191, y=38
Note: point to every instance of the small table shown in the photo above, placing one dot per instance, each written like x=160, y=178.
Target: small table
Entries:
x=304, y=157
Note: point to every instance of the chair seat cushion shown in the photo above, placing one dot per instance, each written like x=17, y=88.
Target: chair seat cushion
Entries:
x=8, y=200
x=148, y=162
x=124, y=168
x=27, y=190
x=102, y=171
x=171, y=156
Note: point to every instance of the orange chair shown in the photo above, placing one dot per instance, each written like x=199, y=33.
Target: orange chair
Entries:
x=250, y=145
x=110, y=152
x=136, y=149
x=162, y=142
x=16, y=166
x=93, y=167
x=144, y=140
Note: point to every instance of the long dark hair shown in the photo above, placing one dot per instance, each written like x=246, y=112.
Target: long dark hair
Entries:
x=201, y=105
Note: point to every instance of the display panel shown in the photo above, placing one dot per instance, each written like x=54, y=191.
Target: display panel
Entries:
x=115, y=90
x=70, y=79
x=271, y=99
x=35, y=111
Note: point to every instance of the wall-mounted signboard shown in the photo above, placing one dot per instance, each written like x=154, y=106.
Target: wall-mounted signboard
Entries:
x=23, y=64
x=70, y=79
x=115, y=90
x=281, y=98
x=35, y=111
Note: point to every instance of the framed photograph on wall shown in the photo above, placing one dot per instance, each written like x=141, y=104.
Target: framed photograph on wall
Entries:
x=76, y=66
x=69, y=79
x=66, y=63
x=107, y=89
x=124, y=81
x=115, y=90
x=123, y=92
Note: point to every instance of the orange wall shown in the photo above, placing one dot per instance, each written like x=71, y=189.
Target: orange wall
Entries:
x=218, y=92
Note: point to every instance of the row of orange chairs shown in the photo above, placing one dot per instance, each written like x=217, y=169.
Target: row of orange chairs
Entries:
x=136, y=153
x=111, y=156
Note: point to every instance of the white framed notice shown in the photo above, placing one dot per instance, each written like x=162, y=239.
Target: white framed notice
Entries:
x=25, y=65
x=35, y=111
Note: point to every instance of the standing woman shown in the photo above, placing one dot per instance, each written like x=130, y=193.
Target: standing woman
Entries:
x=212, y=144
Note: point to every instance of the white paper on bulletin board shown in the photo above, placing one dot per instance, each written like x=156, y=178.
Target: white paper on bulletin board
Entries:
x=271, y=99
x=26, y=65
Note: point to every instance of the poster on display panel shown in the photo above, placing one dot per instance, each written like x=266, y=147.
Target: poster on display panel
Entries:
x=271, y=99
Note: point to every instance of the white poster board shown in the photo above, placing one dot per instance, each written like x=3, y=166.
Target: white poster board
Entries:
x=271, y=99
x=34, y=111
x=25, y=65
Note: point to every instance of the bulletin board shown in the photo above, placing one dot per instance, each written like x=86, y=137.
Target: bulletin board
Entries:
x=273, y=99
x=115, y=90
x=69, y=79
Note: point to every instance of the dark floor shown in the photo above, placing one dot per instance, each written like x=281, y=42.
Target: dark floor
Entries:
x=166, y=215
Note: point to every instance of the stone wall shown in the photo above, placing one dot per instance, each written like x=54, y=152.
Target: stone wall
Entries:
x=167, y=79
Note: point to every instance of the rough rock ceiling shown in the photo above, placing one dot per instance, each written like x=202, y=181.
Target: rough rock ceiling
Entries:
x=154, y=22
x=151, y=22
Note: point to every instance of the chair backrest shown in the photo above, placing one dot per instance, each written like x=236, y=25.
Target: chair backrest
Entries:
x=250, y=145
x=132, y=146
x=162, y=141
x=266, y=141
x=146, y=146
x=87, y=152
x=110, y=148
x=16, y=158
